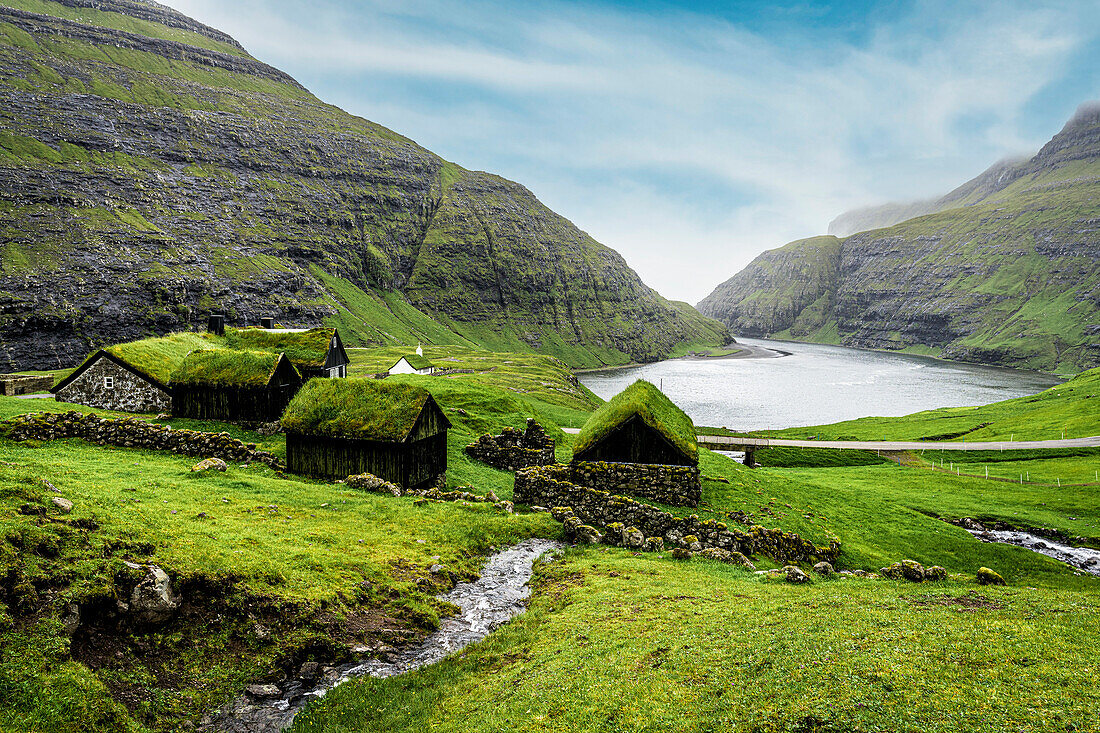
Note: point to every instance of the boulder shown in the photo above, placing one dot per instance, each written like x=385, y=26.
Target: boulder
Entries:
x=989, y=577
x=633, y=538
x=64, y=505
x=681, y=553
x=935, y=572
x=586, y=534
x=654, y=544
x=824, y=568
x=309, y=671
x=370, y=482
x=971, y=524
x=795, y=574
x=912, y=570
x=263, y=691
x=738, y=558
x=207, y=464
x=715, y=553
x=152, y=600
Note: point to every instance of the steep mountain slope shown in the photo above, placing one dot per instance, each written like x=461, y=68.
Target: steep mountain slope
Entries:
x=1007, y=273
x=151, y=172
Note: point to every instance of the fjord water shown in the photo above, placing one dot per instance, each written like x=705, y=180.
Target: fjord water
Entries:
x=818, y=384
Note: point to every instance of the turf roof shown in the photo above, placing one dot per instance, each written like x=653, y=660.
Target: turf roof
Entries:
x=655, y=410
x=304, y=348
x=224, y=368
x=365, y=409
x=416, y=361
x=158, y=357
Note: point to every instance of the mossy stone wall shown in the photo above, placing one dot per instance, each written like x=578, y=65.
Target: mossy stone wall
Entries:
x=673, y=485
x=551, y=487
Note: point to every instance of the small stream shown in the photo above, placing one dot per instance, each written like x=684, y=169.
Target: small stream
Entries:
x=1083, y=558
x=497, y=596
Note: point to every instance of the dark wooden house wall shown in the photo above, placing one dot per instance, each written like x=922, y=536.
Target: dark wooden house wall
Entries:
x=411, y=464
x=230, y=402
x=209, y=402
x=417, y=461
x=635, y=442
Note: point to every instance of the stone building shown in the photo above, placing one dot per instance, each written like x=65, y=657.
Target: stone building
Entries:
x=640, y=443
x=107, y=382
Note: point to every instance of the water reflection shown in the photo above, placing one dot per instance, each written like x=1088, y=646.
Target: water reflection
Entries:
x=818, y=384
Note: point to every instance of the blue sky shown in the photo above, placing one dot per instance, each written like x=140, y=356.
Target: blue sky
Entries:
x=691, y=136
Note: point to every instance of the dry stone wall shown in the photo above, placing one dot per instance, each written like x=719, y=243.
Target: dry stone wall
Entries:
x=129, y=432
x=514, y=449
x=551, y=487
x=128, y=392
x=673, y=485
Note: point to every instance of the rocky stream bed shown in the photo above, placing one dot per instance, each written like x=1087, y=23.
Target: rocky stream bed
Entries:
x=499, y=594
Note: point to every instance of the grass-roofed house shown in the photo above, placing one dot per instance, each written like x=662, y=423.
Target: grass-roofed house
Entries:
x=240, y=386
x=339, y=428
x=133, y=377
x=640, y=443
x=314, y=352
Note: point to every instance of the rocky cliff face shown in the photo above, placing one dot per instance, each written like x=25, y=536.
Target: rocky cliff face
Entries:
x=151, y=172
x=1008, y=272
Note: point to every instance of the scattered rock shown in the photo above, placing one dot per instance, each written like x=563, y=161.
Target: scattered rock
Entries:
x=971, y=524
x=989, y=577
x=309, y=671
x=633, y=538
x=935, y=572
x=435, y=569
x=370, y=482
x=206, y=464
x=64, y=505
x=539, y=509
x=588, y=535
x=681, y=553
x=51, y=487
x=261, y=692
x=912, y=570
x=70, y=619
x=795, y=574
x=152, y=600
x=823, y=568
x=654, y=544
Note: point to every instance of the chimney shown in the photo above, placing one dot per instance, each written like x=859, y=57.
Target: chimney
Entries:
x=217, y=324
x=267, y=323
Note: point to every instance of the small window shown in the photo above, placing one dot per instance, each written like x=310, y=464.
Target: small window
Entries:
x=109, y=382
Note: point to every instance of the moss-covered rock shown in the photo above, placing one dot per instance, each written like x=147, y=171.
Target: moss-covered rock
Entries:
x=987, y=576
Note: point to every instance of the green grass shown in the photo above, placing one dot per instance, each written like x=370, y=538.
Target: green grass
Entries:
x=645, y=401
x=306, y=348
x=159, y=357
x=366, y=409
x=614, y=642
x=228, y=367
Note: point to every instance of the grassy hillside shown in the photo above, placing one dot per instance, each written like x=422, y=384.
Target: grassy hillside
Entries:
x=1070, y=410
x=277, y=570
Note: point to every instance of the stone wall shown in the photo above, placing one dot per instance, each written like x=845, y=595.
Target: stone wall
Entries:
x=129, y=432
x=673, y=485
x=129, y=393
x=17, y=384
x=514, y=449
x=550, y=486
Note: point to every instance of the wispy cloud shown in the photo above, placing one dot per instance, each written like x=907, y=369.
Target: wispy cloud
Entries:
x=688, y=142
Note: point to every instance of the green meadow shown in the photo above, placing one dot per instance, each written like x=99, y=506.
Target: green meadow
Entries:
x=613, y=641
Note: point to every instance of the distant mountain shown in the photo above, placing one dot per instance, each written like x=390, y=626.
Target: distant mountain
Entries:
x=1003, y=270
x=995, y=178
x=152, y=172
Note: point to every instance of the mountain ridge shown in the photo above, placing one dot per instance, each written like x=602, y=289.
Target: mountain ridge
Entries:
x=1005, y=273
x=151, y=171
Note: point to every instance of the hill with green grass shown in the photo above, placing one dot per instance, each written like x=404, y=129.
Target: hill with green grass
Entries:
x=153, y=172
x=1003, y=270
x=276, y=571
